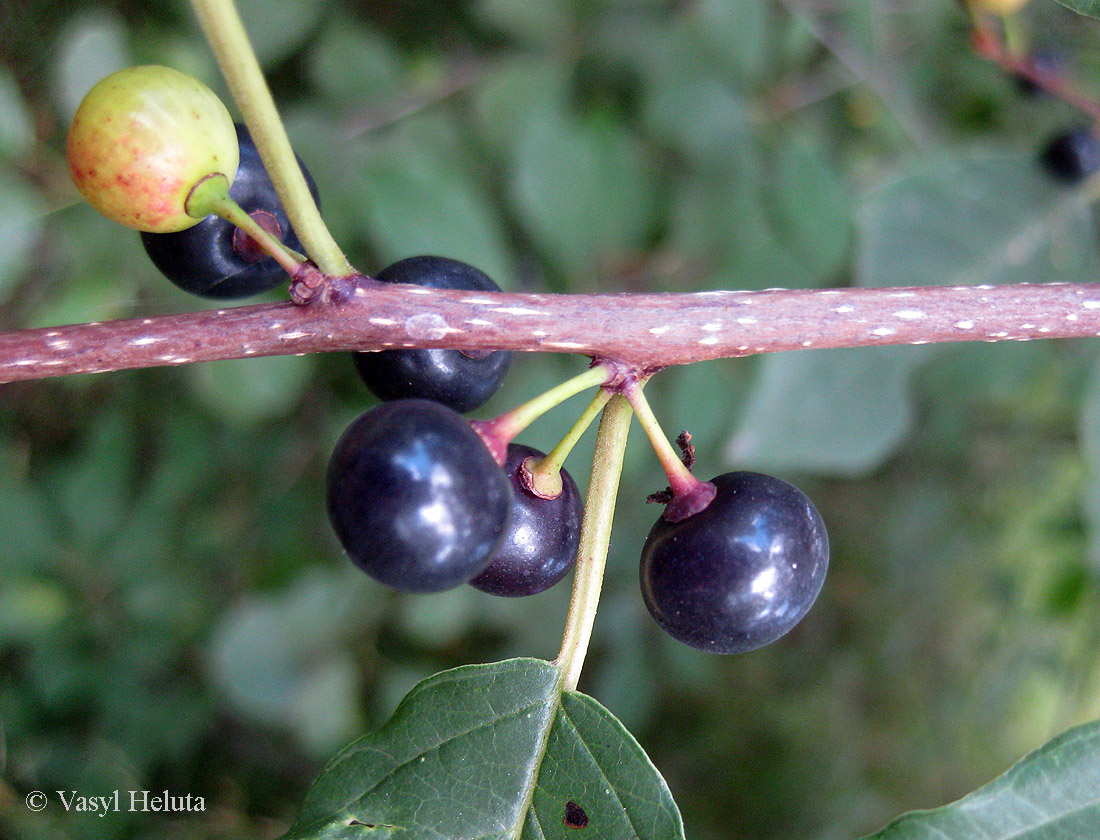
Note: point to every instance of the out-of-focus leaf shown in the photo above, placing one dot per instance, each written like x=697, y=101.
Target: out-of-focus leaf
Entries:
x=278, y=659
x=735, y=34
x=837, y=412
x=975, y=218
x=22, y=214
x=698, y=114
x=518, y=86
x=1084, y=7
x=582, y=189
x=1051, y=794
x=16, y=132
x=766, y=216
x=93, y=45
x=492, y=752
x=537, y=24
x=1088, y=430
x=94, y=491
x=415, y=201
x=351, y=64
x=277, y=28
x=30, y=610
x=252, y=390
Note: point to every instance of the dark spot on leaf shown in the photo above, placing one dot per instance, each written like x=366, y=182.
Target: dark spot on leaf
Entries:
x=354, y=822
x=575, y=817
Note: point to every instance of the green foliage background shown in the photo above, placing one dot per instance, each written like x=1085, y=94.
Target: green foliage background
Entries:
x=174, y=612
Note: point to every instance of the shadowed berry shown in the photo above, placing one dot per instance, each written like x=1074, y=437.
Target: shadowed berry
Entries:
x=215, y=259
x=540, y=545
x=453, y=377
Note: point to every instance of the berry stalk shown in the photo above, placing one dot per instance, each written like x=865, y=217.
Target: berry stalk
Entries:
x=546, y=472
x=599, y=510
x=689, y=494
x=226, y=35
x=216, y=200
x=500, y=431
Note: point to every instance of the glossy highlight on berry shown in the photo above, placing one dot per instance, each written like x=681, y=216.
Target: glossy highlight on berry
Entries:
x=459, y=380
x=415, y=498
x=741, y=573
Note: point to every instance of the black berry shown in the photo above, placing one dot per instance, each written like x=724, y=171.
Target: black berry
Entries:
x=214, y=258
x=415, y=498
x=540, y=545
x=456, y=379
x=743, y=571
x=1072, y=155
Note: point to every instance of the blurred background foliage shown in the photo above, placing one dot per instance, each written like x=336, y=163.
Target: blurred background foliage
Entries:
x=174, y=612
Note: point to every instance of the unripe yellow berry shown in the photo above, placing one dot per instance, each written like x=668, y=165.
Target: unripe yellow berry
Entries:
x=142, y=139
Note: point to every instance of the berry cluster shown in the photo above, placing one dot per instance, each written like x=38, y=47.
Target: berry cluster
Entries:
x=420, y=498
x=419, y=503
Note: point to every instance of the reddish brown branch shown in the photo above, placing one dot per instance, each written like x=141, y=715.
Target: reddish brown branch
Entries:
x=646, y=331
x=989, y=44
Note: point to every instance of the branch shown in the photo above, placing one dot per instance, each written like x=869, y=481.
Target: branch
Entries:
x=644, y=331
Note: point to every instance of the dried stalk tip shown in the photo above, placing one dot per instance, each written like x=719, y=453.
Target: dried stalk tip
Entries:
x=546, y=484
x=683, y=441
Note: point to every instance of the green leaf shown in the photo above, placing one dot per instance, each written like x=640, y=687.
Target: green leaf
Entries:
x=1051, y=794
x=279, y=660
x=277, y=28
x=92, y=45
x=975, y=218
x=537, y=24
x=1084, y=7
x=492, y=752
x=745, y=54
x=839, y=412
x=22, y=213
x=351, y=64
x=582, y=189
x=252, y=390
x=763, y=212
x=414, y=200
x=16, y=131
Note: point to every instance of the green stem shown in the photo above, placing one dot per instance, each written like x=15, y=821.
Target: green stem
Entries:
x=546, y=472
x=211, y=195
x=505, y=427
x=680, y=478
x=599, y=510
x=227, y=37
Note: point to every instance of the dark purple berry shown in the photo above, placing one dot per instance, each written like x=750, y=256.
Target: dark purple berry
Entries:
x=415, y=498
x=214, y=258
x=540, y=545
x=1073, y=155
x=455, y=378
x=743, y=571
